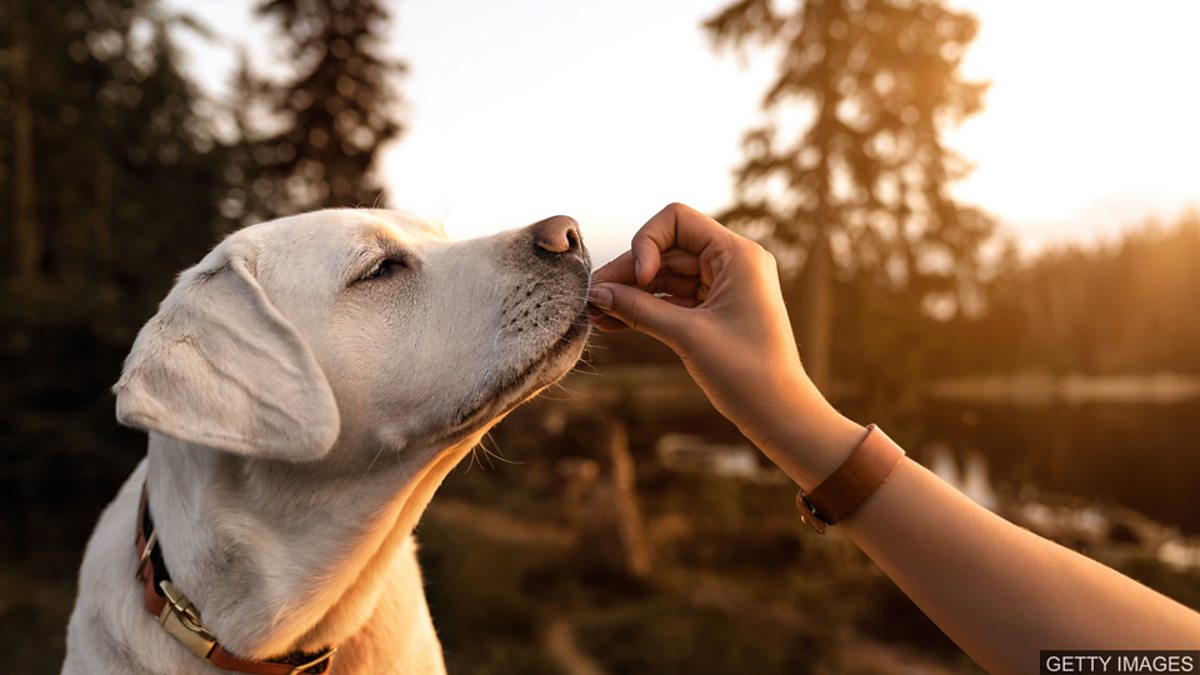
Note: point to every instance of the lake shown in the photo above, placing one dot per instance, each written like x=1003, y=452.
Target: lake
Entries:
x=1145, y=456
x=1141, y=455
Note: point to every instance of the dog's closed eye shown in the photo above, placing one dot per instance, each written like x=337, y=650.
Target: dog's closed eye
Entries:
x=385, y=267
x=389, y=266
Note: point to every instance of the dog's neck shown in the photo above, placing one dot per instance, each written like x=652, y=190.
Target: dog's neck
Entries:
x=278, y=556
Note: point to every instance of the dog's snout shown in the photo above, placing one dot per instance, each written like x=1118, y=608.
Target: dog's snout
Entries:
x=558, y=235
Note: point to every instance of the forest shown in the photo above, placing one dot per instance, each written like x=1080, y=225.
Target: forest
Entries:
x=117, y=170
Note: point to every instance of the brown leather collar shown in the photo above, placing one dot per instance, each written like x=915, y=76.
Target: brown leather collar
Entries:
x=181, y=619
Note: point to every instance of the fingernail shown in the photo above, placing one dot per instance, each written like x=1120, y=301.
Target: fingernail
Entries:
x=600, y=297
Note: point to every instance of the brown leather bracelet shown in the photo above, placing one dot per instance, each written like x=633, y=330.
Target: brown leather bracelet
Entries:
x=868, y=467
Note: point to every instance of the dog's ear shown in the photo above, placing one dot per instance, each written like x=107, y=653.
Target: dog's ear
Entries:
x=220, y=366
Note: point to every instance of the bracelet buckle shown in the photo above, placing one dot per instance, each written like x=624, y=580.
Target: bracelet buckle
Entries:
x=809, y=515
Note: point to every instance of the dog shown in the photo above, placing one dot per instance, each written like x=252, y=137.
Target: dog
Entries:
x=306, y=388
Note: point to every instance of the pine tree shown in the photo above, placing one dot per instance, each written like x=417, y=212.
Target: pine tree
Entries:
x=104, y=152
x=27, y=239
x=332, y=117
x=114, y=177
x=849, y=175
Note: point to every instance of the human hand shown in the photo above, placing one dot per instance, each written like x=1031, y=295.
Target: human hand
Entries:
x=714, y=298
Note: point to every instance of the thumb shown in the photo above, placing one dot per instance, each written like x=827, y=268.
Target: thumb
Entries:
x=640, y=310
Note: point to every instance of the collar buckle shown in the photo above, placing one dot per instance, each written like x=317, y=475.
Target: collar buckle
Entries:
x=182, y=620
x=144, y=558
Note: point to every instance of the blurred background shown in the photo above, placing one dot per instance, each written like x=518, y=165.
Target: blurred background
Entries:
x=985, y=215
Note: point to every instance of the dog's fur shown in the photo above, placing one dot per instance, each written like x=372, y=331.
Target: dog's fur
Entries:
x=300, y=417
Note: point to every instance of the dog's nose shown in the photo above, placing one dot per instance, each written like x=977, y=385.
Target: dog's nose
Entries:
x=558, y=235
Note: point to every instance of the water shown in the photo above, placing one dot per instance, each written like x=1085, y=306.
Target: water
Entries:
x=1142, y=456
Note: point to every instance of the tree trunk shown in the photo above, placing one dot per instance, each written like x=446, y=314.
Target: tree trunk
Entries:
x=816, y=293
x=814, y=323
x=102, y=203
x=27, y=240
x=633, y=535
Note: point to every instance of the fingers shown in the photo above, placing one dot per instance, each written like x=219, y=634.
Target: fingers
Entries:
x=674, y=255
x=637, y=309
x=608, y=324
x=677, y=285
x=687, y=303
x=646, y=257
x=678, y=276
x=679, y=290
x=605, y=323
x=676, y=226
x=674, y=238
x=621, y=269
x=618, y=270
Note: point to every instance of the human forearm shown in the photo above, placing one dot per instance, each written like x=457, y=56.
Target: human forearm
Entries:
x=1001, y=592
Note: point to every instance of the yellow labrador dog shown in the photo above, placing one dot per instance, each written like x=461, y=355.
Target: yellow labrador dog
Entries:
x=306, y=388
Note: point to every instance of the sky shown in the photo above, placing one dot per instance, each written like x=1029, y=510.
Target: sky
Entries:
x=606, y=111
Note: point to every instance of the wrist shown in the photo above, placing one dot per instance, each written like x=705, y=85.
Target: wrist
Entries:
x=806, y=437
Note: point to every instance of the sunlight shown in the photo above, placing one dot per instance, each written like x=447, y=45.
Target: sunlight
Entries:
x=1029, y=332
x=1090, y=121
x=1088, y=127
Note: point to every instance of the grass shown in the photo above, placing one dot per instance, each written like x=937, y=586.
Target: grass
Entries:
x=738, y=584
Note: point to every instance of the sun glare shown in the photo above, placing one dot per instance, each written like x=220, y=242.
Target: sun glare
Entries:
x=1090, y=123
x=1088, y=128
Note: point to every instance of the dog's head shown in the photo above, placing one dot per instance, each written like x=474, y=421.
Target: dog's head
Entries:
x=361, y=325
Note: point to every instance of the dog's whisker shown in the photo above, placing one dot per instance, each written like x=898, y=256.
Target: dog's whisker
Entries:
x=372, y=464
x=400, y=463
x=571, y=395
x=572, y=392
x=496, y=454
x=496, y=342
x=486, y=453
